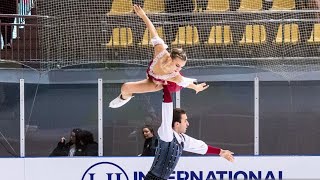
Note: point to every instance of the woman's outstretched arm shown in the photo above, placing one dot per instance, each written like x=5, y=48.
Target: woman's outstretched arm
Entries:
x=140, y=12
x=156, y=41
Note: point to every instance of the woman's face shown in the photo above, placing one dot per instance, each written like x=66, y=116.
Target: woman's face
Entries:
x=147, y=133
x=177, y=64
x=73, y=137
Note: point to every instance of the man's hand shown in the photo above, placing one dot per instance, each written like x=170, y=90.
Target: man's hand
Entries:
x=228, y=155
x=201, y=87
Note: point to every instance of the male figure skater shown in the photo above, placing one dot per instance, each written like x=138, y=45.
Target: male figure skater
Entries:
x=172, y=141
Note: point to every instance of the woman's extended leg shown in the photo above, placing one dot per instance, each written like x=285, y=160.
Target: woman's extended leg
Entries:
x=143, y=86
x=130, y=88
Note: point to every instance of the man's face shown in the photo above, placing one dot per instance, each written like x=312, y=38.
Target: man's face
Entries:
x=182, y=127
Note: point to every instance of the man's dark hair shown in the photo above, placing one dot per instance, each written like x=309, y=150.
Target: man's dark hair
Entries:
x=76, y=130
x=86, y=137
x=177, y=112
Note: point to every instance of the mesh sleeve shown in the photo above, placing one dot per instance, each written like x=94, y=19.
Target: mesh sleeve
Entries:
x=157, y=40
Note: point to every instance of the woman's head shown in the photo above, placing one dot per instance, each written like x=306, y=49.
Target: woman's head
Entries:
x=74, y=136
x=147, y=132
x=86, y=137
x=179, y=59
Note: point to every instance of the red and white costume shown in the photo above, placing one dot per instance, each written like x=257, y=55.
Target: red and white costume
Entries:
x=163, y=79
x=173, y=87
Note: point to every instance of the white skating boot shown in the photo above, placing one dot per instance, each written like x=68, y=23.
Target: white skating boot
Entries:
x=118, y=102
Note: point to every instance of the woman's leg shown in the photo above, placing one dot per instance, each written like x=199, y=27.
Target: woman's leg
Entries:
x=143, y=86
x=130, y=88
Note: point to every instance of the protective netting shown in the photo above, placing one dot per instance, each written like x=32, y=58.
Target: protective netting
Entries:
x=282, y=36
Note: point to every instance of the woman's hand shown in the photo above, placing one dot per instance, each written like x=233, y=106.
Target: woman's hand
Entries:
x=139, y=11
x=201, y=87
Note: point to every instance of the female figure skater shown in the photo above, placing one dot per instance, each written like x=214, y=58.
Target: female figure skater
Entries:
x=164, y=69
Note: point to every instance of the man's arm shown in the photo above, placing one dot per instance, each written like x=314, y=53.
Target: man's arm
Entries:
x=165, y=131
x=197, y=146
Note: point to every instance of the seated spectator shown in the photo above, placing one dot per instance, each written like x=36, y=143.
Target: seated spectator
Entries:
x=7, y=7
x=151, y=141
x=71, y=148
x=90, y=147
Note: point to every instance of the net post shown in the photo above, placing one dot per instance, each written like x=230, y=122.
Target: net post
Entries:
x=256, y=116
x=22, y=120
x=100, y=117
x=178, y=105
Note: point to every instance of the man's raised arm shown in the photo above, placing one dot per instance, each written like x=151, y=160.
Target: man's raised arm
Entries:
x=165, y=131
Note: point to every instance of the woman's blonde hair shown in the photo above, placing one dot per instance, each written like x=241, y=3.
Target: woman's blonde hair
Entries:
x=178, y=53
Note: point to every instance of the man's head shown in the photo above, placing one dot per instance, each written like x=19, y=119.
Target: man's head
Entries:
x=86, y=137
x=180, y=120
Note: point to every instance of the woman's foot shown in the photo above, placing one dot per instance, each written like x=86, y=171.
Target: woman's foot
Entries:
x=119, y=101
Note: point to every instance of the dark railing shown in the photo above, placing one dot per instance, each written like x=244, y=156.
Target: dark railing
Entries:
x=23, y=46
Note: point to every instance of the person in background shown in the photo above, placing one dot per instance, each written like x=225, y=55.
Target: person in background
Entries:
x=7, y=7
x=89, y=146
x=151, y=141
x=71, y=148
